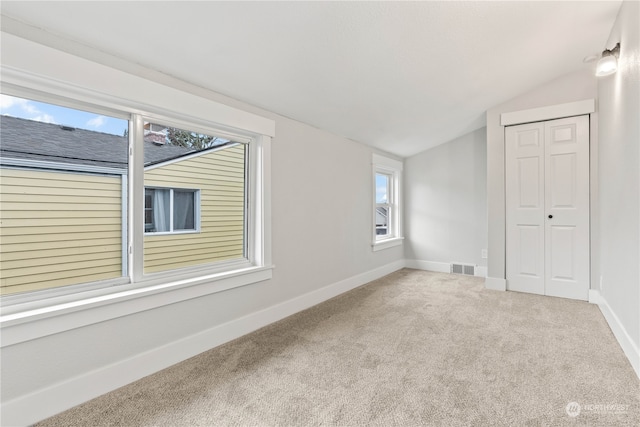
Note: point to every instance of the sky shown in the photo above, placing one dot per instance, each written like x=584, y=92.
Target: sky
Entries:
x=382, y=186
x=48, y=113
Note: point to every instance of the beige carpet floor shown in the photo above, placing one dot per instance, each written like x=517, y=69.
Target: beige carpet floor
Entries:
x=412, y=348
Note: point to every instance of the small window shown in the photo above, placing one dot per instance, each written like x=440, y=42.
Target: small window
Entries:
x=170, y=210
x=387, y=230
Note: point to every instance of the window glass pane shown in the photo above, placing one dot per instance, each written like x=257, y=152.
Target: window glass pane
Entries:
x=63, y=211
x=205, y=176
x=148, y=210
x=382, y=221
x=183, y=210
x=157, y=204
x=382, y=188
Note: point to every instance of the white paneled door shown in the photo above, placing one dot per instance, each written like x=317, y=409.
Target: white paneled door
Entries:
x=547, y=201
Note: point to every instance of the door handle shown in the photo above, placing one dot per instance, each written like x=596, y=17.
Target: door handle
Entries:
x=550, y=216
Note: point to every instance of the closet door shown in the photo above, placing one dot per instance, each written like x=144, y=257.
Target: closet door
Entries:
x=547, y=199
x=567, y=208
x=525, y=207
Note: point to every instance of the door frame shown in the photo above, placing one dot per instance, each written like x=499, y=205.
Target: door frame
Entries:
x=496, y=278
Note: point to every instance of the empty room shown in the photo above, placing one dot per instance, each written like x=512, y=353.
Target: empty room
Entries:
x=372, y=213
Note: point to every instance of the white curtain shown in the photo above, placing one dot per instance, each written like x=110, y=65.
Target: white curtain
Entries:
x=161, y=210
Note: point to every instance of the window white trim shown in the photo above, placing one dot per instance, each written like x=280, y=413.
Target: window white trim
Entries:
x=387, y=243
x=393, y=169
x=387, y=163
x=35, y=71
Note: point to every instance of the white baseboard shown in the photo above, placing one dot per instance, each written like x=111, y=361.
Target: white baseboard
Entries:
x=629, y=348
x=481, y=271
x=495, y=283
x=43, y=403
x=440, y=267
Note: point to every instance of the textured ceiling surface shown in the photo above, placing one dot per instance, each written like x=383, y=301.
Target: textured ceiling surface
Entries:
x=399, y=76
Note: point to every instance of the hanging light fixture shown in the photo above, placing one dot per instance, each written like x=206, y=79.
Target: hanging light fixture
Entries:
x=608, y=64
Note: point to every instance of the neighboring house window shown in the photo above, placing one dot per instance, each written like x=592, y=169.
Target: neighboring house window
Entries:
x=387, y=230
x=170, y=210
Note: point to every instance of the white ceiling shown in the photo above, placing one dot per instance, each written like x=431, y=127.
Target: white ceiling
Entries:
x=400, y=76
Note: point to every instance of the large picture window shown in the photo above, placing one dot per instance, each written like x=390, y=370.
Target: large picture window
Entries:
x=70, y=214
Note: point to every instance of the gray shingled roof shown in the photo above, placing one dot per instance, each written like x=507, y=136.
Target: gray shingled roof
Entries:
x=29, y=139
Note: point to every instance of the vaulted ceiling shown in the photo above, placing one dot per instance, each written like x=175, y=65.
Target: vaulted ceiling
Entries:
x=400, y=76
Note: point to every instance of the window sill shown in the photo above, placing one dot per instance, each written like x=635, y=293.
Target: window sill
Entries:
x=29, y=324
x=387, y=243
x=169, y=233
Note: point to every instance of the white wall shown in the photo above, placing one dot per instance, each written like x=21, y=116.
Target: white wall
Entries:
x=445, y=203
x=619, y=180
x=321, y=239
x=576, y=86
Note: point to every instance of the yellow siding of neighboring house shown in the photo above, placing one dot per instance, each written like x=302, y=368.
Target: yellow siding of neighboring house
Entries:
x=220, y=177
x=58, y=229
